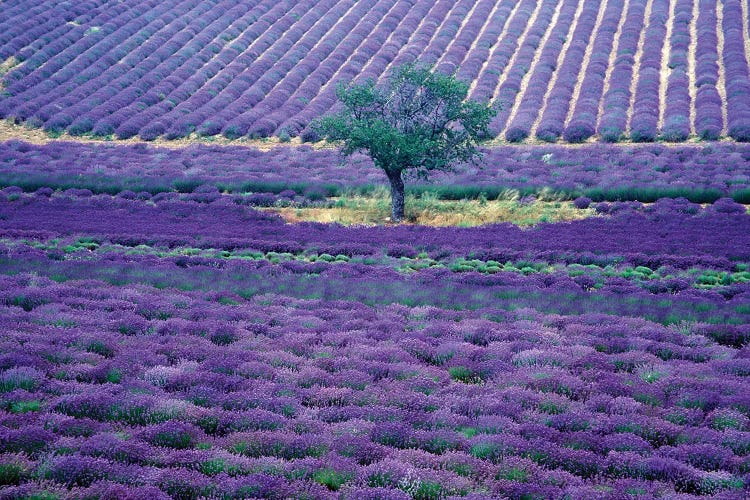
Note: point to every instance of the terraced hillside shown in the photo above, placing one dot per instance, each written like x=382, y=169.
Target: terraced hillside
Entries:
x=612, y=70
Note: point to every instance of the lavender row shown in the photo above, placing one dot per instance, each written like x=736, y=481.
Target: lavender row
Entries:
x=669, y=233
x=645, y=113
x=188, y=82
x=358, y=401
x=612, y=120
x=268, y=91
x=201, y=66
x=507, y=92
x=676, y=126
x=601, y=172
x=377, y=26
x=454, y=56
x=33, y=91
x=709, y=122
x=531, y=100
x=582, y=124
x=473, y=64
x=212, y=60
x=502, y=52
x=350, y=34
x=736, y=72
x=554, y=113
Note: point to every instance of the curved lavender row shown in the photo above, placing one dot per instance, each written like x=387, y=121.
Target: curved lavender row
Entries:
x=38, y=88
x=310, y=74
x=615, y=102
x=502, y=52
x=90, y=101
x=422, y=31
x=667, y=231
x=224, y=75
x=453, y=57
x=645, y=117
x=21, y=26
x=175, y=68
x=480, y=54
x=554, y=114
x=341, y=68
x=257, y=80
x=507, y=92
x=211, y=24
x=583, y=120
x=265, y=41
x=170, y=64
x=110, y=90
x=273, y=88
x=326, y=99
x=446, y=34
x=212, y=69
x=708, y=118
x=676, y=125
x=736, y=72
x=21, y=33
x=370, y=57
x=532, y=98
x=104, y=90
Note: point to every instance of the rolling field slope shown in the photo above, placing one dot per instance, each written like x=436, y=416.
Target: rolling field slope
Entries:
x=576, y=70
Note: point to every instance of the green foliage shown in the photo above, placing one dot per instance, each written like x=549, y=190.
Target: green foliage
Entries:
x=465, y=375
x=418, y=120
x=11, y=473
x=330, y=478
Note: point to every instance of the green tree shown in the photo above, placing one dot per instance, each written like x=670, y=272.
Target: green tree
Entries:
x=417, y=121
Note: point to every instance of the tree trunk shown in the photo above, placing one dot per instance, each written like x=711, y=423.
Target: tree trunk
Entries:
x=397, y=196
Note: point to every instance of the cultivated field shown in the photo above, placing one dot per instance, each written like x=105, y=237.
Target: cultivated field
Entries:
x=218, y=314
x=636, y=70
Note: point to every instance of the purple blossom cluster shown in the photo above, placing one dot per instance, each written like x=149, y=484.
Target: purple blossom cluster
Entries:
x=601, y=172
x=198, y=394
x=174, y=68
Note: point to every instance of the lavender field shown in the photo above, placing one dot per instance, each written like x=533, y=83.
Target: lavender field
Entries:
x=189, y=346
x=216, y=315
x=636, y=70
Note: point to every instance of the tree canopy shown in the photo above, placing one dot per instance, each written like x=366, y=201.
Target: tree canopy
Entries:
x=418, y=120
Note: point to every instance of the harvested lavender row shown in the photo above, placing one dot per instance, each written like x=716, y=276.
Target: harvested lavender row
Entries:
x=601, y=172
